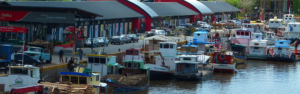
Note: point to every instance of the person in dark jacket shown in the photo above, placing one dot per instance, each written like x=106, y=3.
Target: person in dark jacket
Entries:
x=70, y=65
x=61, y=53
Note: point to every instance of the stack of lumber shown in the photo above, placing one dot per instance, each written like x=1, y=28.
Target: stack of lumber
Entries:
x=113, y=77
x=135, y=80
x=48, y=45
x=67, y=88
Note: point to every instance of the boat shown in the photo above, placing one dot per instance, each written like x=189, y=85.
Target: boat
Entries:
x=19, y=76
x=223, y=61
x=292, y=31
x=258, y=48
x=244, y=37
x=239, y=52
x=188, y=67
x=162, y=63
x=287, y=18
x=270, y=36
x=282, y=51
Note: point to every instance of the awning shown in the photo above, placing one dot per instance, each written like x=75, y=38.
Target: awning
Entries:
x=170, y=9
x=222, y=6
x=157, y=37
x=200, y=7
x=144, y=7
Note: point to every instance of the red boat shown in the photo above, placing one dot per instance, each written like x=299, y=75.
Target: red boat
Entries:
x=223, y=61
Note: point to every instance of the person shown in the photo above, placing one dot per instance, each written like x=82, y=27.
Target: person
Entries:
x=70, y=65
x=61, y=53
x=41, y=80
x=80, y=53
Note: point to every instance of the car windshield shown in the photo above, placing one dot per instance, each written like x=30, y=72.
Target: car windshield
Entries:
x=34, y=49
x=115, y=37
x=88, y=40
x=101, y=39
x=160, y=31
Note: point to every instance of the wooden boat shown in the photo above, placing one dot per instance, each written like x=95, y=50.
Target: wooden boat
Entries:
x=258, y=48
x=239, y=52
x=188, y=68
x=223, y=61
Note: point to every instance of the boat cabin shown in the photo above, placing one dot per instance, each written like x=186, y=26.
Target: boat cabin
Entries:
x=223, y=57
x=152, y=43
x=249, y=27
x=258, y=36
x=282, y=48
x=292, y=30
x=98, y=63
x=275, y=23
x=288, y=18
x=200, y=37
x=189, y=64
x=189, y=48
x=168, y=49
x=83, y=79
x=258, y=47
x=134, y=54
x=244, y=34
x=132, y=67
x=19, y=76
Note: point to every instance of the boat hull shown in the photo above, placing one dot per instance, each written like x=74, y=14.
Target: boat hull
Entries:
x=229, y=68
x=195, y=76
x=255, y=56
x=160, y=75
x=240, y=59
x=115, y=88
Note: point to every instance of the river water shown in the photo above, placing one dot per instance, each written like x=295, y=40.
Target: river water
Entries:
x=255, y=77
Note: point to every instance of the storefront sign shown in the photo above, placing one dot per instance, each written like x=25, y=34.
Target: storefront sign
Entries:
x=13, y=29
x=45, y=17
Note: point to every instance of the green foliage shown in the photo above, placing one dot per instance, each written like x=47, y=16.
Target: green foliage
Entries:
x=296, y=6
x=234, y=3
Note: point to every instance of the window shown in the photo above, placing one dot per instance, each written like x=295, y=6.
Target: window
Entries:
x=187, y=49
x=82, y=80
x=97, y=78
x=19, y=71
x=171, y=46
x=187, y=65
x=198, y=34
x=271, y=21
x=135, y=65
x=256, y=48
x=65, y=78
x=161, y=45
x=136, y=52
x=96, y=60
x=155, y=42
x=74, y=79
x=128, y=52
x=256, y=43
x=279, y=48
x=238, y=33
x=290, y=18
x=286, y=18
x=280, y=42
x=91, y=59
x=187, y=58
x=276, y=22
x=247, y=33
x=166, y=46
x=222, y=56
x=242, y=33
x=129, y=65
x=102, y=60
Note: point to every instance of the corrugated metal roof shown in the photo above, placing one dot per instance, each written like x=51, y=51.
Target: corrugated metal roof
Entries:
x=170, y=9
x=146, y=8
x=201, y=7
x=222, y=6
x=108, y=9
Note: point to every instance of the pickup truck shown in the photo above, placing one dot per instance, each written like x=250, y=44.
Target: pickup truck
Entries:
x=39, y=52
x=6, y=51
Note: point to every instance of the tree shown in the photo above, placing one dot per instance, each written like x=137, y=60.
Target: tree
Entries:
x=247, y=5
x=234, y=3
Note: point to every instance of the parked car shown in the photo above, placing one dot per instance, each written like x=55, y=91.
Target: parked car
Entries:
x=236, y=22
x=18, y=58
x=151, y=33
x=205, y=27
x=39, y=52
x=160, y=32
x=103, y=41
x=246, y=21
x=88, y=42
x=133, y=37
x=125, y=38
x=117, y=39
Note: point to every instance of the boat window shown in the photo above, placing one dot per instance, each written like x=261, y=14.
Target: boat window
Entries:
x=186, y=58
x=198, y=34
x=271, y=21
x=74, y=79
x=256, y=43
x=82, y=80
x=129, y=65
x=286, y=18
x=238, y=33
x=166, y=46
x=98, y=78
x=171, y=46
x=242, y=33
x=222, y=56
x=102, y=60
x=276, y=22
x=247, y=33
x=135, y=65
x=96, y=60
x=19, y=71
x=187, y=65
x=187, y=49
x=91, y=59
x=128, y=52
x=280, y=42
x=256, y=48
x=161, y=45
x=65, y=78
x=294, y=25
x=279, y=48
x=290, y=18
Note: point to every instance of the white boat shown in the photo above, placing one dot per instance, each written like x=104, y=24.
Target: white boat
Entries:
x=258, y=48
x=287, y=18
x=270, y=36
x=244, y=37
x=224, y=62
x=282, y=51
x=292, y=31
x=275, y=23
x=19, y=76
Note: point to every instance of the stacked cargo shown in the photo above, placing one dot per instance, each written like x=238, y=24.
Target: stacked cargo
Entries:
x=46, y=44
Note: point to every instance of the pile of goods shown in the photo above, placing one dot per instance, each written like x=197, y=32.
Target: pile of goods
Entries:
x=48, y=45
x=132, y=80
x=66, y=88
